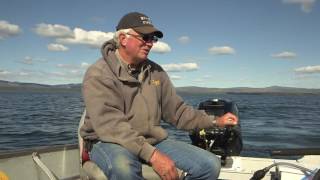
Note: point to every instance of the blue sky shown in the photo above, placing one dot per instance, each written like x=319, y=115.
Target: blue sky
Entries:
x=211, y=43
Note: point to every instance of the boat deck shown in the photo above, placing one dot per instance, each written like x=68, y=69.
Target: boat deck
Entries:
x=64, y=163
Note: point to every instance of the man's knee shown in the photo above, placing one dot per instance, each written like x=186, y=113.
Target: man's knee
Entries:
x=212, y=166
x=116, y=161
x=126, y=167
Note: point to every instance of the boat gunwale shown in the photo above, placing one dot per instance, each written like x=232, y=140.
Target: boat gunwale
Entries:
x=42, y=149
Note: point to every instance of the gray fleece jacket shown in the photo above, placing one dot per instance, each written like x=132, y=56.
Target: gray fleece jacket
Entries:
x=127, y=111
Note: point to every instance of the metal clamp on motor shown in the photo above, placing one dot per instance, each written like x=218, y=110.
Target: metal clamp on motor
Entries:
x=226, y=141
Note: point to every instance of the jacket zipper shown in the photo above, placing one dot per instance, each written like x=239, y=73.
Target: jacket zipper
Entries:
x=145, y=102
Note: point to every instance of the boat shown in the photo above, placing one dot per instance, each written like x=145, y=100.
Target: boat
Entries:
x=62, y=162
x=66, y=162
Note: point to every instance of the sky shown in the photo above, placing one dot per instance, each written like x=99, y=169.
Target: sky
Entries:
x=207, y=43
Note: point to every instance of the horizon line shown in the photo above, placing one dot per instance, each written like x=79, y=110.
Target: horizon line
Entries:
x=174, y=86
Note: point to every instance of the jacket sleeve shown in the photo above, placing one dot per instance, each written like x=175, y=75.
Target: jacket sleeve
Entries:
x=178, y=113
x=105, y=107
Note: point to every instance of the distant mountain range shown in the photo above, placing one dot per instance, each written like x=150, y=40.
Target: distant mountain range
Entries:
x=18, y=86
x=248, y=90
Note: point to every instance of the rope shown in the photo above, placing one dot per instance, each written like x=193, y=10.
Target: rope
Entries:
x=43, y=167
x=303, y=169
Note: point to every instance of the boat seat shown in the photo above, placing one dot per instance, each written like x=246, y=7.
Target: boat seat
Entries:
x=88, y=169
x=91, y=171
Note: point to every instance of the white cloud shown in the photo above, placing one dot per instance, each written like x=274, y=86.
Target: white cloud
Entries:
x=75, y=71
x=77, y=36
x=184, y=39
x=4, y=72
x=180, y=67
x=161, y=47
x=70, y=71
x=57, y=73
x=306, y=5
x=73, y=67
x=308, y=70
x=62, y=76
x=53, y=30
x=27, y=60
x=285, y=55
x=14, y=75
x=67, y=74
x=84, y=65
x=207, y=76
x=23, y=74
x=221, y=50
x=67, y=66
x=41, y=60
x=64, y=35
x=57, y=47
x=175, y=77
x=93, y=39
x=8, y=30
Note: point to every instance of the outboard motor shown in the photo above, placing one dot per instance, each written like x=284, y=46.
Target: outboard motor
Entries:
x=226, y=141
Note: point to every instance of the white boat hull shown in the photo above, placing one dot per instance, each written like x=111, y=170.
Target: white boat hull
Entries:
x=64, y=163
x=243, y=167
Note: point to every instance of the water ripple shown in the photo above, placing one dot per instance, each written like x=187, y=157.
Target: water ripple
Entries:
x=267, y=121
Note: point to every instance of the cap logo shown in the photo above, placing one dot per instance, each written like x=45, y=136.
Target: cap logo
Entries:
x=145, y=20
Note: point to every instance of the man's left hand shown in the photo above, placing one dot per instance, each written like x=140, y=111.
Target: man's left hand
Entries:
x=227, y=119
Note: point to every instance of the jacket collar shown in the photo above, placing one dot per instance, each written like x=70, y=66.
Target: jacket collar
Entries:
x=119, y=68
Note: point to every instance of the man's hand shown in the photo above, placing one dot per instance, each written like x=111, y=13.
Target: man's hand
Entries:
x=227, y=119
x=164, y=166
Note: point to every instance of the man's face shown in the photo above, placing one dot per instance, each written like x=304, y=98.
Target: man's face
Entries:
x=138, y=46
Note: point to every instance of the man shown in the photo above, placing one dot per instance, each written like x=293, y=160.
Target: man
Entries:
x=126, y=95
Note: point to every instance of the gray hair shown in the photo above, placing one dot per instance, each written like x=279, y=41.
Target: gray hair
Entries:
x=117, y=33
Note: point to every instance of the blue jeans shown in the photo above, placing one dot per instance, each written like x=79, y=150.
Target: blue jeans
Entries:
x=120, y=164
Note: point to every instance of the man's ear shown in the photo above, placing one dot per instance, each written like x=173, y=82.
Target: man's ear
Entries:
x=123, y=40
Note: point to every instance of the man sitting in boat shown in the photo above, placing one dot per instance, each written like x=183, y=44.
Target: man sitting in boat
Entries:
x=126, y=95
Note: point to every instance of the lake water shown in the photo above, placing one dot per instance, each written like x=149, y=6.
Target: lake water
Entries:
x=268, y=121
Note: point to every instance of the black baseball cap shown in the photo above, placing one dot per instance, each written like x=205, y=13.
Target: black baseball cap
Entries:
x=138, y=22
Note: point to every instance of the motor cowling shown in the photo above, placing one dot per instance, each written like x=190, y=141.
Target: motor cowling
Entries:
x=223, y=141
